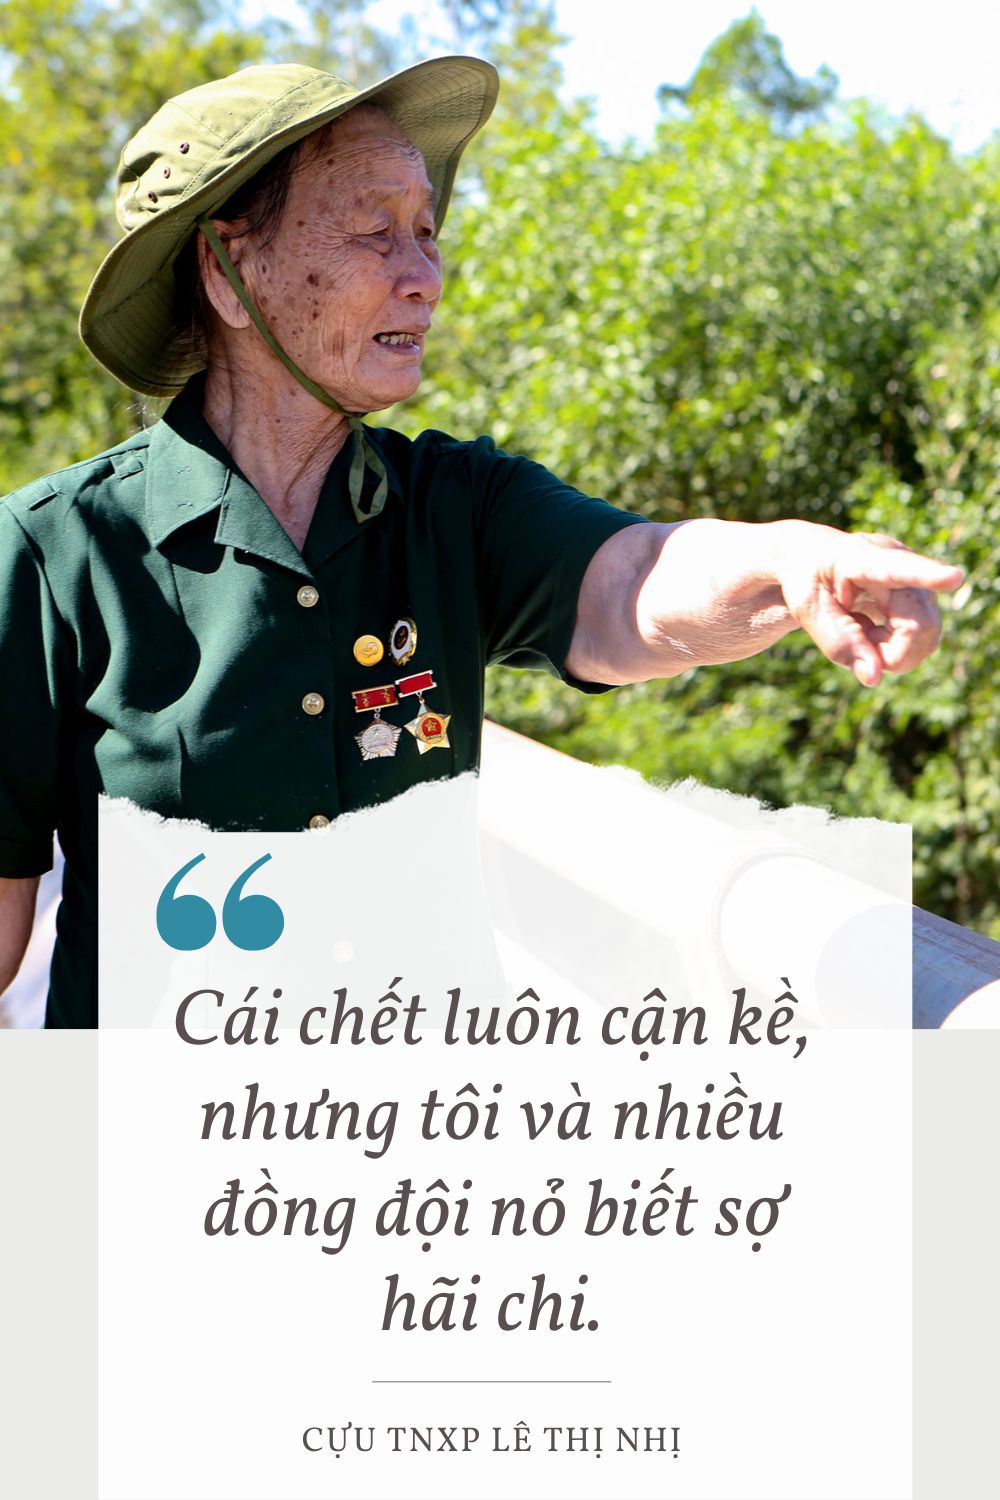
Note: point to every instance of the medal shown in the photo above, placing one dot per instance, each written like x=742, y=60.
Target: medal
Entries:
x=368, y=650
x=403, y=641
x=379, y=740
x=429, y=728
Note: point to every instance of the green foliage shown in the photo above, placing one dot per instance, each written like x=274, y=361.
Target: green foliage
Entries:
x=339, y=38
x=76, y=83
x=747, y=323
x=940, y=730
x=731, y=314
x=746, y=65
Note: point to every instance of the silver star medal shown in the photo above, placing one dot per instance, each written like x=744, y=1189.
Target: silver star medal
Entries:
x=379, y=740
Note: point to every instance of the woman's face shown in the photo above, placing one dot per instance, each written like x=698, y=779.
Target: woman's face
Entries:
x=349, y=281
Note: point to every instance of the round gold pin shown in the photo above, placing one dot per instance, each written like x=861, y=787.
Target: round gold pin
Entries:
x=368, y=650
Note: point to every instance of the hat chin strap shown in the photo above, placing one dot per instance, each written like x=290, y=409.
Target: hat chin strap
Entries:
x=364, y=454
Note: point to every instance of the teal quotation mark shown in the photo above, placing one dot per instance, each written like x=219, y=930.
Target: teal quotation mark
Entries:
x=188, y=922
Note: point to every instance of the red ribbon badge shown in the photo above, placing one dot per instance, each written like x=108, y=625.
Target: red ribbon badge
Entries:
x=420, y=682
x=377, y=697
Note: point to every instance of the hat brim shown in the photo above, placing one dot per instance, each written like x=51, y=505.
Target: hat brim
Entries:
x=128, y=316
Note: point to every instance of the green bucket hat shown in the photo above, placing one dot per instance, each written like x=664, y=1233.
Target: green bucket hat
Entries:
x=202, y=145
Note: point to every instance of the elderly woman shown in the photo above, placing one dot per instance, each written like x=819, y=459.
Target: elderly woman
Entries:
x=262, y=613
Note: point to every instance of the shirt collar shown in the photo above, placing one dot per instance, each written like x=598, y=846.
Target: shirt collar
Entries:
x=190, y=473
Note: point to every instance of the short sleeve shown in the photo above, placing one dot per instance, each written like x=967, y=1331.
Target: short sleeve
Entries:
x=30, y=634
x=536, y=539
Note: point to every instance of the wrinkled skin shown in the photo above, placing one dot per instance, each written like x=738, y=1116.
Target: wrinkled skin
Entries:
x=657, y=600
x=354, y=256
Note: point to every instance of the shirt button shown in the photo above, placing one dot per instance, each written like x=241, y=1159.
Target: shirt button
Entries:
x=319, y=820
x=307, y=596
x=313, y=703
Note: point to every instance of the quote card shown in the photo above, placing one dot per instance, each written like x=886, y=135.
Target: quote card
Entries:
x=543, y=1134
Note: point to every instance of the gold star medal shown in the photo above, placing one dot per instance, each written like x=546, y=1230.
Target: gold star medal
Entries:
x=429, y=728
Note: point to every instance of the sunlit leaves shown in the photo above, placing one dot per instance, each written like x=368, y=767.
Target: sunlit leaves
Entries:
x=747, y=323
x=78, y=78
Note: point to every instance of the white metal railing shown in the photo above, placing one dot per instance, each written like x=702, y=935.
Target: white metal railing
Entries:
x=955, y=973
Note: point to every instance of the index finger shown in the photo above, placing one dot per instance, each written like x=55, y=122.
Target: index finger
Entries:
x=898, y=568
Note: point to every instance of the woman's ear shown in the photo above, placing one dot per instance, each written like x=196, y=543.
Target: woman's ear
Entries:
x=215, y=285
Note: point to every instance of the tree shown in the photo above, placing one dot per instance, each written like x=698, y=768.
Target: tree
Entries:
x=747, y=64
x=340, y=39
x=743, y=322
x=77, y=82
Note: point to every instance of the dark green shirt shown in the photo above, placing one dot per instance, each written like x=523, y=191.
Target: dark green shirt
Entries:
x=160, y=633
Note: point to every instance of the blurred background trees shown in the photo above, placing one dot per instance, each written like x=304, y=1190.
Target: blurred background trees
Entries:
x=780, y=306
